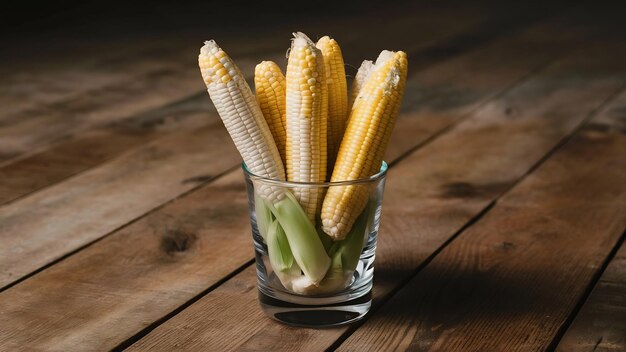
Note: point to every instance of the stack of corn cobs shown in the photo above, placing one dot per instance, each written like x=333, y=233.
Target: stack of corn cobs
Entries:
x=305, y=128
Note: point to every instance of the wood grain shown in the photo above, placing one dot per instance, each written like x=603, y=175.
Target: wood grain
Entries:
x=80, y=151
x=601, y=323
x=69, y=215
x=215, y=217
x=108, y=104
x=510, y=281
x=458, y=176
x=66, y=73
x=93, y=148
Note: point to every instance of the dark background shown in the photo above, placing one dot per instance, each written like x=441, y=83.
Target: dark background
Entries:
x=28, y=28
x=30, y=31
x=107, y=17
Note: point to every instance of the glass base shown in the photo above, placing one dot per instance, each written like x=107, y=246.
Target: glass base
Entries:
x=319, y=315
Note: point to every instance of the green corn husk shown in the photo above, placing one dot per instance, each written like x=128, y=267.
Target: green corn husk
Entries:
x=293, y=243
x=306, y=246
x=264, y=216
x=280, y=255
x=349, y=250
x=345, y=258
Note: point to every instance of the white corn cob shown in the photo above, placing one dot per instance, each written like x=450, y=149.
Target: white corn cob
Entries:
x=242, y=116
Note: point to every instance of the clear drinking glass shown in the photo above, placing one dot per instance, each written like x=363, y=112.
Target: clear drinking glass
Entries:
x=292, y=251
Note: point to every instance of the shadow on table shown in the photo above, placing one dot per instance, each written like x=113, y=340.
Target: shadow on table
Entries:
x=453, y=296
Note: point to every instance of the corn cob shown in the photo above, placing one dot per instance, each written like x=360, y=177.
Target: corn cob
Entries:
x=367, y=135
x=359, y=79
x=246, y=125
x=337, y=95
x=269, y=83
x=242, y=116
x=306, y=121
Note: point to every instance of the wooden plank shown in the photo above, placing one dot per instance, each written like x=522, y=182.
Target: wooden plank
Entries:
x=430, y=195
x=93, y=148
x=69, y=157
x=34, y=88
x=601, y=323
x=60, y=121
x=29, y=82
x=144, y=262
x=510, y=281
x=62, y=218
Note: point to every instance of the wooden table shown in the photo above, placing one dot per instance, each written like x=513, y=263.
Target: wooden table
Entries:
x=124, y=217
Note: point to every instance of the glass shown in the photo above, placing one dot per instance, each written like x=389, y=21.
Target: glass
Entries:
x=305, y=278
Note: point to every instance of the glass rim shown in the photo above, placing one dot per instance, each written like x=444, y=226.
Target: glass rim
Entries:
x=377, y=176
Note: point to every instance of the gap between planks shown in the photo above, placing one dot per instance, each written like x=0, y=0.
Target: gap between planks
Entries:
x=599, y=320
x=594, y=316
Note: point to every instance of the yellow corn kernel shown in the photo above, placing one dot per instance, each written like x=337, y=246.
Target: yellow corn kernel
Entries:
x=337, y=95
x=366, y=138
x=270, y=86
